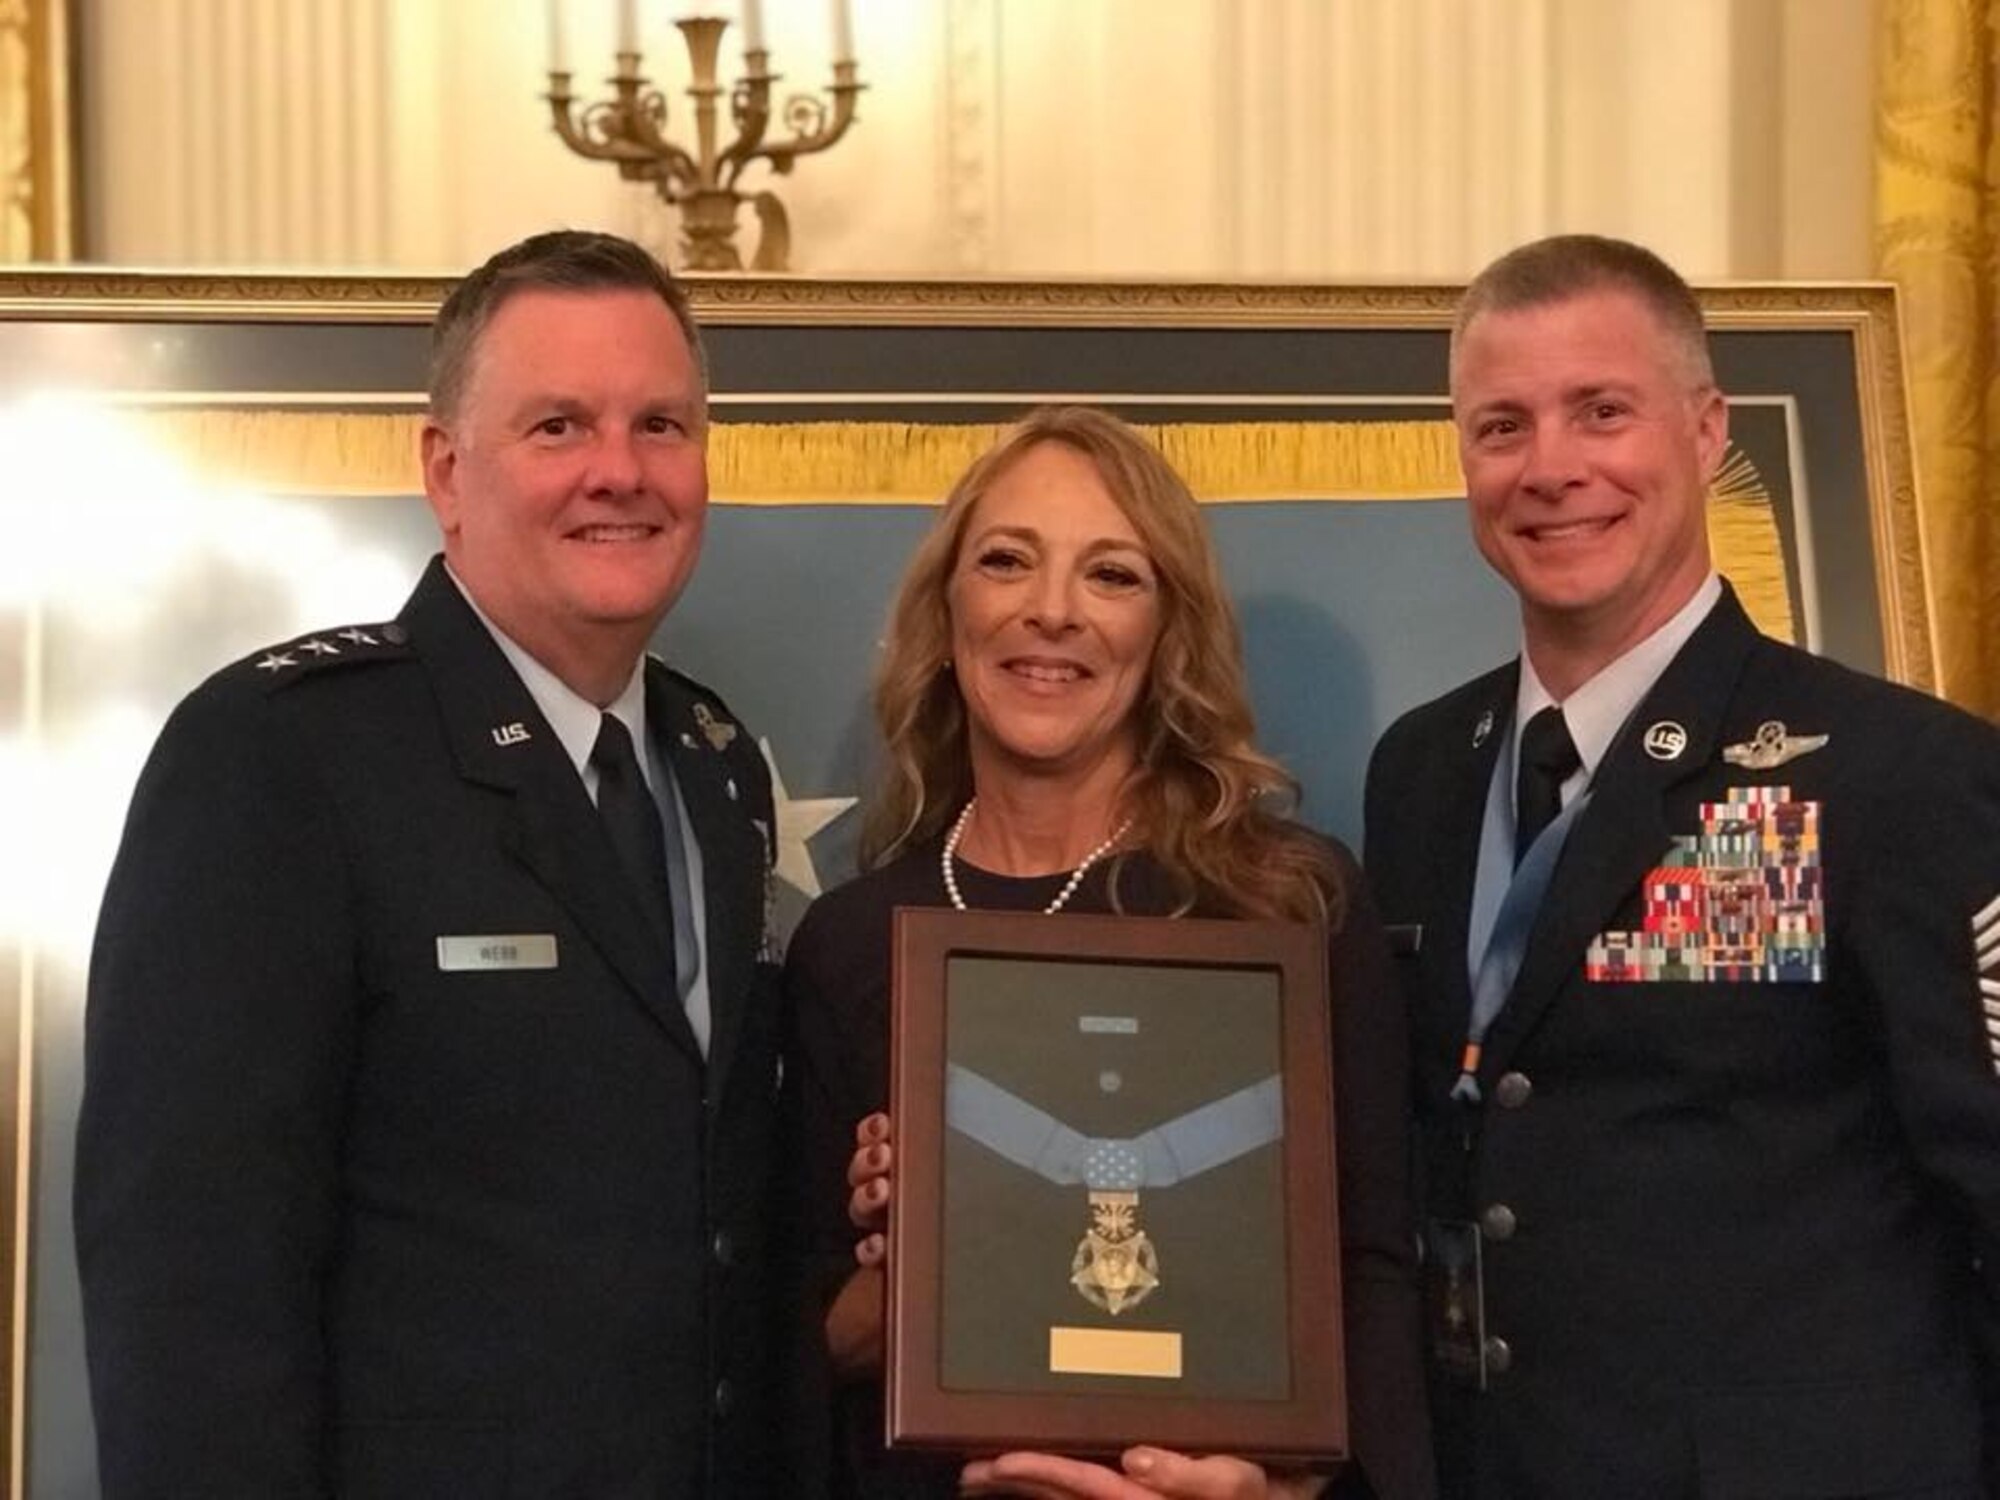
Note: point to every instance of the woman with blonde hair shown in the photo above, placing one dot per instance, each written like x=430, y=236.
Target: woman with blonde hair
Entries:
x=1067, y=728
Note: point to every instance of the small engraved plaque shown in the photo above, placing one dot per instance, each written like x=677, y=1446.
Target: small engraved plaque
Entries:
x=1108, y=1025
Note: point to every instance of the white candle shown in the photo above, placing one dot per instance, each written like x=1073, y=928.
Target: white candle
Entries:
x=558, y=43
x=843, y=31
x=753, y=25
x=628, y=25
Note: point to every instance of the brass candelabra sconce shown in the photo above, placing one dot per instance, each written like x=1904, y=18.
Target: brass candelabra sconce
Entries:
x=630, y=129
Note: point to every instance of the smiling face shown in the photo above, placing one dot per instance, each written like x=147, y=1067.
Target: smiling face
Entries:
x=1055, y=610
x=1587, y=441
x=571, y=481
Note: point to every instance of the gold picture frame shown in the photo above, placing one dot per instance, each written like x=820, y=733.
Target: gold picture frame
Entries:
x=817, y=382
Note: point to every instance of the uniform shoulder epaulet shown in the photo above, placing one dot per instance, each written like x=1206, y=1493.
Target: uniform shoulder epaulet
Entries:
x=322, y=650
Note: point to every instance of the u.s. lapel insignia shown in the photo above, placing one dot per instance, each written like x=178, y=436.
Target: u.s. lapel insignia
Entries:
x=1665, y=740
x=1772, y=746
x=511, y=734
x=1483, y=729
x=1743, y=901
x=1986, y=959
x=718, y=732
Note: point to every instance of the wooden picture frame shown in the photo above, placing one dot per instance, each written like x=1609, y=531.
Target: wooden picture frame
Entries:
x=1116, y=1218
x=843, y=409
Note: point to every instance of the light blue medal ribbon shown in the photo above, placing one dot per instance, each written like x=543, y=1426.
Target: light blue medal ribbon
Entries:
x=1508, y=945
x=1115, y=1266
x=1217, y=1132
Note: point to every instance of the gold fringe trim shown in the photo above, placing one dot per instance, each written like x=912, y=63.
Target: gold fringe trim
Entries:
x=821, y=463
x=873, y=463
x=294, y=452
x=862, y=463
x=1743, y=539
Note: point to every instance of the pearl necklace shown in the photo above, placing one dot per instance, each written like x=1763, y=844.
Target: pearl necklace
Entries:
x=1062, y=896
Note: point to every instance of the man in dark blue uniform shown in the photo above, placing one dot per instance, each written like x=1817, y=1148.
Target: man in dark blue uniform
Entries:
x=1703, y=936
x=431, y=1048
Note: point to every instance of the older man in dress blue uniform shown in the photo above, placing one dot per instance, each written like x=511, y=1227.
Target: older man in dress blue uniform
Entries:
x=430, y=1056
x=1709, y=1091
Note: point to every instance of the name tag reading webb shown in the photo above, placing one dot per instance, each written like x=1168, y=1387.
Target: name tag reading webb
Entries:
x=510, y=950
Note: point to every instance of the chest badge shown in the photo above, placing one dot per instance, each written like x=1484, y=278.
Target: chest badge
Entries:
x=718, y=732
x=1772, y=746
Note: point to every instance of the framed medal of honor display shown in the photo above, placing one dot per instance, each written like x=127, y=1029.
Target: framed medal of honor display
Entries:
x=1115, y=1215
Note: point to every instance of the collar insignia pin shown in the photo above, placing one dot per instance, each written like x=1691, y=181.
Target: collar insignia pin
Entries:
x=1482, y=729
x=1665, y=740
x=358, y=636
x=275, y=660
x=319, y=647
x=511, y=734
x=719, y=733
x=1772, y=746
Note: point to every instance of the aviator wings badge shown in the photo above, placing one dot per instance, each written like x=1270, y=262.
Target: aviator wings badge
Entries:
x=1772, y=746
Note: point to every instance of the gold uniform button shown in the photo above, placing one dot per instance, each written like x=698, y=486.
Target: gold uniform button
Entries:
x=1499, y=1356
x=1513, y=1090
x=1497, y=1222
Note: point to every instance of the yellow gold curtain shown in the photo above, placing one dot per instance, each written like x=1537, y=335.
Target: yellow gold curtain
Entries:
x=35, y=146
x=1937, y=231
x=874, y=463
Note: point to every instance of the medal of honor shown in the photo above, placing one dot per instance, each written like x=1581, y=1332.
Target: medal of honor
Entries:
x=1115, y=1266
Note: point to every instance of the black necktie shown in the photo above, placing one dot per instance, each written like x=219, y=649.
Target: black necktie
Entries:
x=632, y=819
x=1548, y=759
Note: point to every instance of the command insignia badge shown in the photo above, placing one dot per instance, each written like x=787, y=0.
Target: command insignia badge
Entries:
x=718, y=731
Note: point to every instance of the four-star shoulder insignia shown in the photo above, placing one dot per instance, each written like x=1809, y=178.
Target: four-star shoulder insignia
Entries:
x=306, y=654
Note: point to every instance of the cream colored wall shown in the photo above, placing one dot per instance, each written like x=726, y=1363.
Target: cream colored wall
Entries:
x=1182, y=138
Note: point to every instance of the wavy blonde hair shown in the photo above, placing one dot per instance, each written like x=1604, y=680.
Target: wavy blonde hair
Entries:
x=1206, y=804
